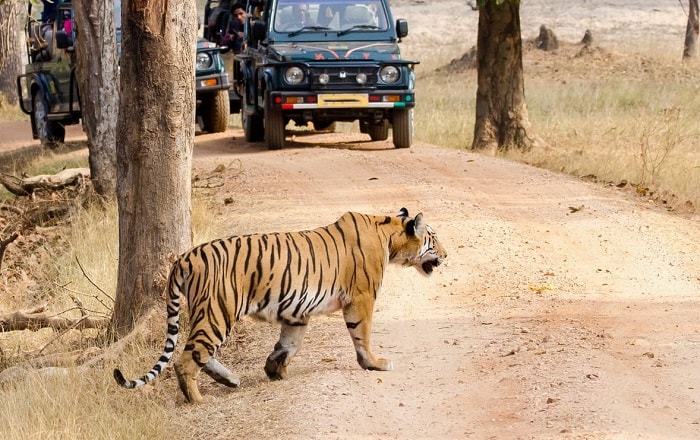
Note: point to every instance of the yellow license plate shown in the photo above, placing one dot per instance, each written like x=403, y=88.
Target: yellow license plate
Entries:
x=343, y=100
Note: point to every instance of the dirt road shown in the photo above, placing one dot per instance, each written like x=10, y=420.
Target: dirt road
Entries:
x=544, y=323
x=565, y=309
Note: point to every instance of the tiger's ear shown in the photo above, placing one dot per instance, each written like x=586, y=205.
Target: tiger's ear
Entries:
x=416, y=226
x=403, y=212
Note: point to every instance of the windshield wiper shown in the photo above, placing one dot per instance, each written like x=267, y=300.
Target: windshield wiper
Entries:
x=357, y=27
x=308, y=28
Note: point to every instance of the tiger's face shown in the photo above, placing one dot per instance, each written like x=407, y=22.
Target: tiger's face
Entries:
x=422, y=249
x=432, y=254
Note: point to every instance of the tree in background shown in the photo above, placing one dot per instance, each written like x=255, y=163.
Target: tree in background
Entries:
x=98, y=82
x=155, y=138
x=690, y=48
x=501, y=112
x=11, y=47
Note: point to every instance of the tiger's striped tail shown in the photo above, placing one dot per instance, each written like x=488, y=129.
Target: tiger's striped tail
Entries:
x=173, y=307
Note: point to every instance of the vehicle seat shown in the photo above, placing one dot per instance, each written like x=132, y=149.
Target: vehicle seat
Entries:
x=358, y=15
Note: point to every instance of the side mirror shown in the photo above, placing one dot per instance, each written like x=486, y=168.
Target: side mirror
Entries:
x=401, y=27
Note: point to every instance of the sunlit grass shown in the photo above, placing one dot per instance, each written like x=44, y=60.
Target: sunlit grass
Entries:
x=640, y=130
x=78, y=405
x=83, y=403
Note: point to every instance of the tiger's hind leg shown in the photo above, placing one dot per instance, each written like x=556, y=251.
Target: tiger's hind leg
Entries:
x=291, y=338
x=220, y=373
x=196, y=356
x=187, y=370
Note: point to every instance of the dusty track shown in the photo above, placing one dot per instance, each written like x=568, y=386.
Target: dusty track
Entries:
x=545, y=323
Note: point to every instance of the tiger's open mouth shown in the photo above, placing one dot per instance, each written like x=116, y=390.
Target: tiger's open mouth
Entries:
x=429, y=265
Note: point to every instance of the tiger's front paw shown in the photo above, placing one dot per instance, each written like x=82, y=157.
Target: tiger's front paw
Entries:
x=377, y=365
x=384, y=365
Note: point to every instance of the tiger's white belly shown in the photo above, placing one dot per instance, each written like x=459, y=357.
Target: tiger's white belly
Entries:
x=293, y=311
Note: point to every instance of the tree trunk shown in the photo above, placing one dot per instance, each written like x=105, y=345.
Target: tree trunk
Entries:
x=155, y=138
x=501, y=112
x=11, y=47
x=690, y=49
x=98, y=82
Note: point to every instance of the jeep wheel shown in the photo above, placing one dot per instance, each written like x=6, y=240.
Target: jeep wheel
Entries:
x=274, y=126
x=378, y=132
x=215, y=111
x=252, y=123
x=402, y=127
x=50, y=133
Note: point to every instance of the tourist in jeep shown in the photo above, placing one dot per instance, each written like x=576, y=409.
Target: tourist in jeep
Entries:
x=233, y=39
x=301, y=15
x=48, y=15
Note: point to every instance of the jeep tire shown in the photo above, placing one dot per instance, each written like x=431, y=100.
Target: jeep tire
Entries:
x=402, y=127
x=215, y=111
x=50, y=133
x=378, y=132
x=274, y=125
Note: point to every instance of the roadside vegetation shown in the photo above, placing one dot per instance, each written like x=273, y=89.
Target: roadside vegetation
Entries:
x=621, y=118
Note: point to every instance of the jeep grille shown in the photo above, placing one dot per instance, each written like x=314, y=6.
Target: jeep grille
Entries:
x=344, y=77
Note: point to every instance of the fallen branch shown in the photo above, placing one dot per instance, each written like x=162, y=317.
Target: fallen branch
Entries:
x=49, y=365
x=37, y=318
x=12, y=186
x=55, y=365
x=26, y=186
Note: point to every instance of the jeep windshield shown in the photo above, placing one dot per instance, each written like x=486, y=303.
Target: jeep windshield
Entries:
x=296, y=16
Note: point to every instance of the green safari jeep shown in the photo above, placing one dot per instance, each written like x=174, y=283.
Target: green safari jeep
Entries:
x=323, y=61
x=48, y=88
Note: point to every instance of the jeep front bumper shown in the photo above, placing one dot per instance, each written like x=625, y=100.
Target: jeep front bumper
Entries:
x=212, y=83
x=335, y=102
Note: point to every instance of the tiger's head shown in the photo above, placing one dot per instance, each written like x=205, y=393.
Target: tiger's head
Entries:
x=422, y=249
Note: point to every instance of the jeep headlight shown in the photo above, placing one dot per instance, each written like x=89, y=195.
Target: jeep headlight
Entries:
x=389, y=74
x=204, y=60
x=294, y=76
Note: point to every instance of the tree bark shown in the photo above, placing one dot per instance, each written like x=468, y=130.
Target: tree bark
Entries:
x=155, y=138
x=501, y=112
x=690, y=48
x=98, y=82
x=11, y=47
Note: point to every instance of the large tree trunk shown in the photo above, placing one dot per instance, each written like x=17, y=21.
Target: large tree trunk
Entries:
x=155, y=137
x=11, y=47
x=501, y=112
x=98, y=82
x=690, y=48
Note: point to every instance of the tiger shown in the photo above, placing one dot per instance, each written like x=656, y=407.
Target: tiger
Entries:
x=286, y=278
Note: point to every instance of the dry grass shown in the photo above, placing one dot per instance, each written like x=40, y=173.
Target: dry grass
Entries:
x=80, y=403
x=10, y=112
x=613, y=116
